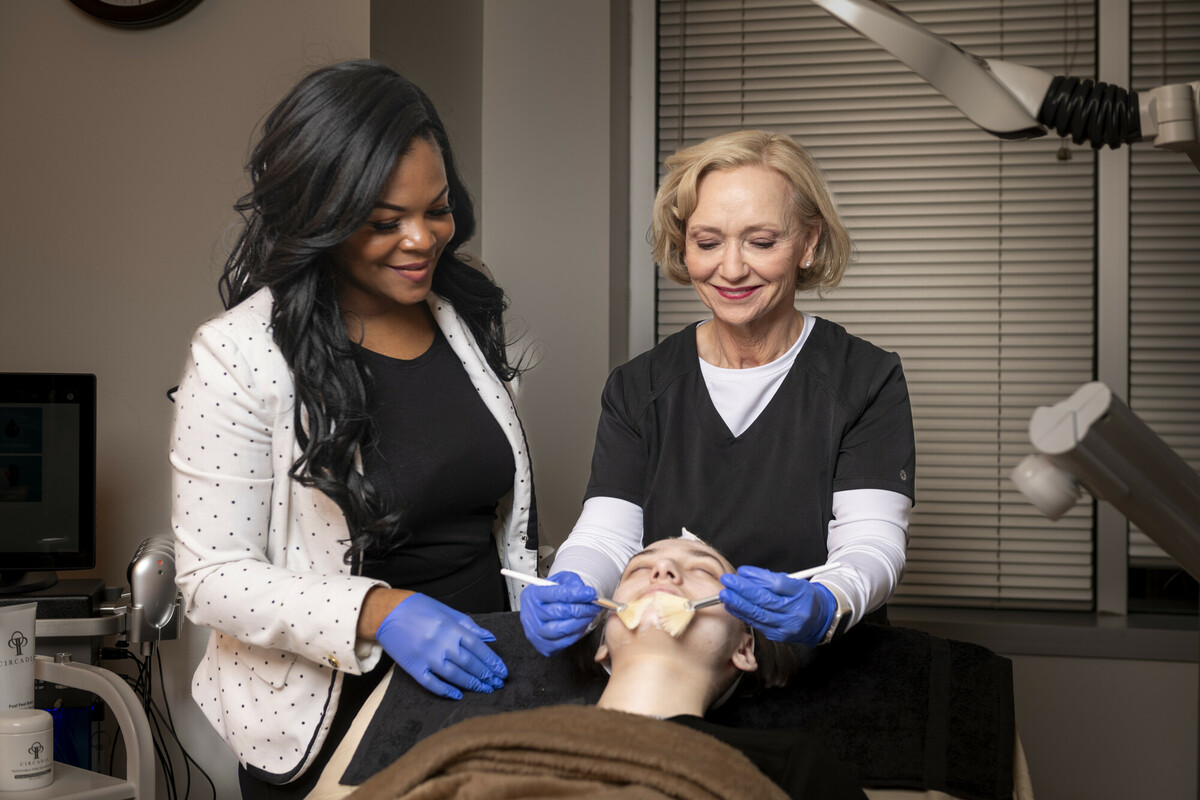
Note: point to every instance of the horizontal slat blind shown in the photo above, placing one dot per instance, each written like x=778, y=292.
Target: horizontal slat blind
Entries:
x=1164, y=252
x=975, y=256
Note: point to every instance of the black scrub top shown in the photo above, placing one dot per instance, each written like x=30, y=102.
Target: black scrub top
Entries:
x=840, y=420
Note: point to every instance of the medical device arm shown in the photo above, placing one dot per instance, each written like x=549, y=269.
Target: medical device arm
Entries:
x=1093, y=439
x=1012, y=101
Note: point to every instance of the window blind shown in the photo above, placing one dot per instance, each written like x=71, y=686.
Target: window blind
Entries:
x=1164, y=252
x=975, y=256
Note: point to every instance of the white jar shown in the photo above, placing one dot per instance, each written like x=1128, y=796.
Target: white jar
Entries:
x=26, y=750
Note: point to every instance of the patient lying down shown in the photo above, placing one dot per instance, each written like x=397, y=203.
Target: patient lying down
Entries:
x=646, y=736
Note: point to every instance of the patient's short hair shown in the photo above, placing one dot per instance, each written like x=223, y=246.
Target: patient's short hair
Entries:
x=777, y=662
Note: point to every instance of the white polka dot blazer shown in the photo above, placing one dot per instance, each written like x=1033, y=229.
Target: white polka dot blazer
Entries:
x=260, y=557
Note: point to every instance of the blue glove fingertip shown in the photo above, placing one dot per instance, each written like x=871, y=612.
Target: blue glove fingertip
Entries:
x=758, y=574
x=422, y=634
x=738, y=584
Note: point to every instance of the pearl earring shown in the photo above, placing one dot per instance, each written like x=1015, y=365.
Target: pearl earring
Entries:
x=808, y=263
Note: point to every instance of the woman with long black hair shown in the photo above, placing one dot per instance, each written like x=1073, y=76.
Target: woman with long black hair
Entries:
x=349, y=470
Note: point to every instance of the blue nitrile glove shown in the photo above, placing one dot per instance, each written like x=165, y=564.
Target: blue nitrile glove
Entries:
x=557, y=616
x=784, y=609
x=441, y=648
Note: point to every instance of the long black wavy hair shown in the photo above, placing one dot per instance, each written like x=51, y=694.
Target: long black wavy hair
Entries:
x=325, y=155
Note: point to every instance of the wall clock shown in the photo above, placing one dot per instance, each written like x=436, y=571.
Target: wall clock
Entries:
x=135, y=13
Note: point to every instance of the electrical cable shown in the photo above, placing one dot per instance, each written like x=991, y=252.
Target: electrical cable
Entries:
x=161, y=723
x=164, y=759
x=162, y=682
x=139, y=685
x=171, y=727
x=158, y=721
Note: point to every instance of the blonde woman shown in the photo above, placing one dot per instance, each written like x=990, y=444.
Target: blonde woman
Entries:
x=776, y=435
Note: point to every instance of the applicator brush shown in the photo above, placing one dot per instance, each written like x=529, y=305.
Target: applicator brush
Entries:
x=629, y=617
x=672, y=613
x=676, y=616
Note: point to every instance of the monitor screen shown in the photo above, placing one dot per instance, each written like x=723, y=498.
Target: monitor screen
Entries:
x=47, y=476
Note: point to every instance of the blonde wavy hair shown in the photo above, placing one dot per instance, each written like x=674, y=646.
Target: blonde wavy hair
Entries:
x=678, y=196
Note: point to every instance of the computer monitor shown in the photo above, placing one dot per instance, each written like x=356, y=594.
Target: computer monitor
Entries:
x=47, y=477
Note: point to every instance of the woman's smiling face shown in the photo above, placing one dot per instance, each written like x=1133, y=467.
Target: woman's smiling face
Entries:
x=744, y=246
x=390, y=260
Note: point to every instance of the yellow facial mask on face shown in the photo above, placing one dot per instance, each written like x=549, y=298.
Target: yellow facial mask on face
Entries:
x=665, y=611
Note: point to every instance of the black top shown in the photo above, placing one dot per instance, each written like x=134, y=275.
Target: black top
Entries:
x=793, y=759
x=439, y=456
x=840, y=421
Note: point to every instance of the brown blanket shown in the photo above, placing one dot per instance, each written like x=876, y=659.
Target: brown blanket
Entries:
x=569, y=752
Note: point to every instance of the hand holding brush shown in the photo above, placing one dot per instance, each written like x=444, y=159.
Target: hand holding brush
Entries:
x=784, y=609
x=620, y=609
x=672, y=613
x=675, y=620
x=555, y=613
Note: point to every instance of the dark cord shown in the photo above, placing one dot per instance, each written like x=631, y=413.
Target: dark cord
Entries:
x=162, y=725
x=171, y=727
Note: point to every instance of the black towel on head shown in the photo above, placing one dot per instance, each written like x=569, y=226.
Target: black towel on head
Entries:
x=903, y=708
x=906, y=709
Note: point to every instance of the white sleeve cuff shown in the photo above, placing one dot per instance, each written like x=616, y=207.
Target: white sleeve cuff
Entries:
x=868, y=536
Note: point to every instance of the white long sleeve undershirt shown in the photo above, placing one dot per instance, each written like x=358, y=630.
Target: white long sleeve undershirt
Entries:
x=868, y=536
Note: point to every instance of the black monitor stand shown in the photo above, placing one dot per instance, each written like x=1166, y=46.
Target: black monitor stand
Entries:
x=21, y=582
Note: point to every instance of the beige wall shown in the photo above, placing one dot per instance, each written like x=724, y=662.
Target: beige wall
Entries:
x=439, y=46
x=546, y=183
x=122, y=154
x=524, y=90
x=1107, y=728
